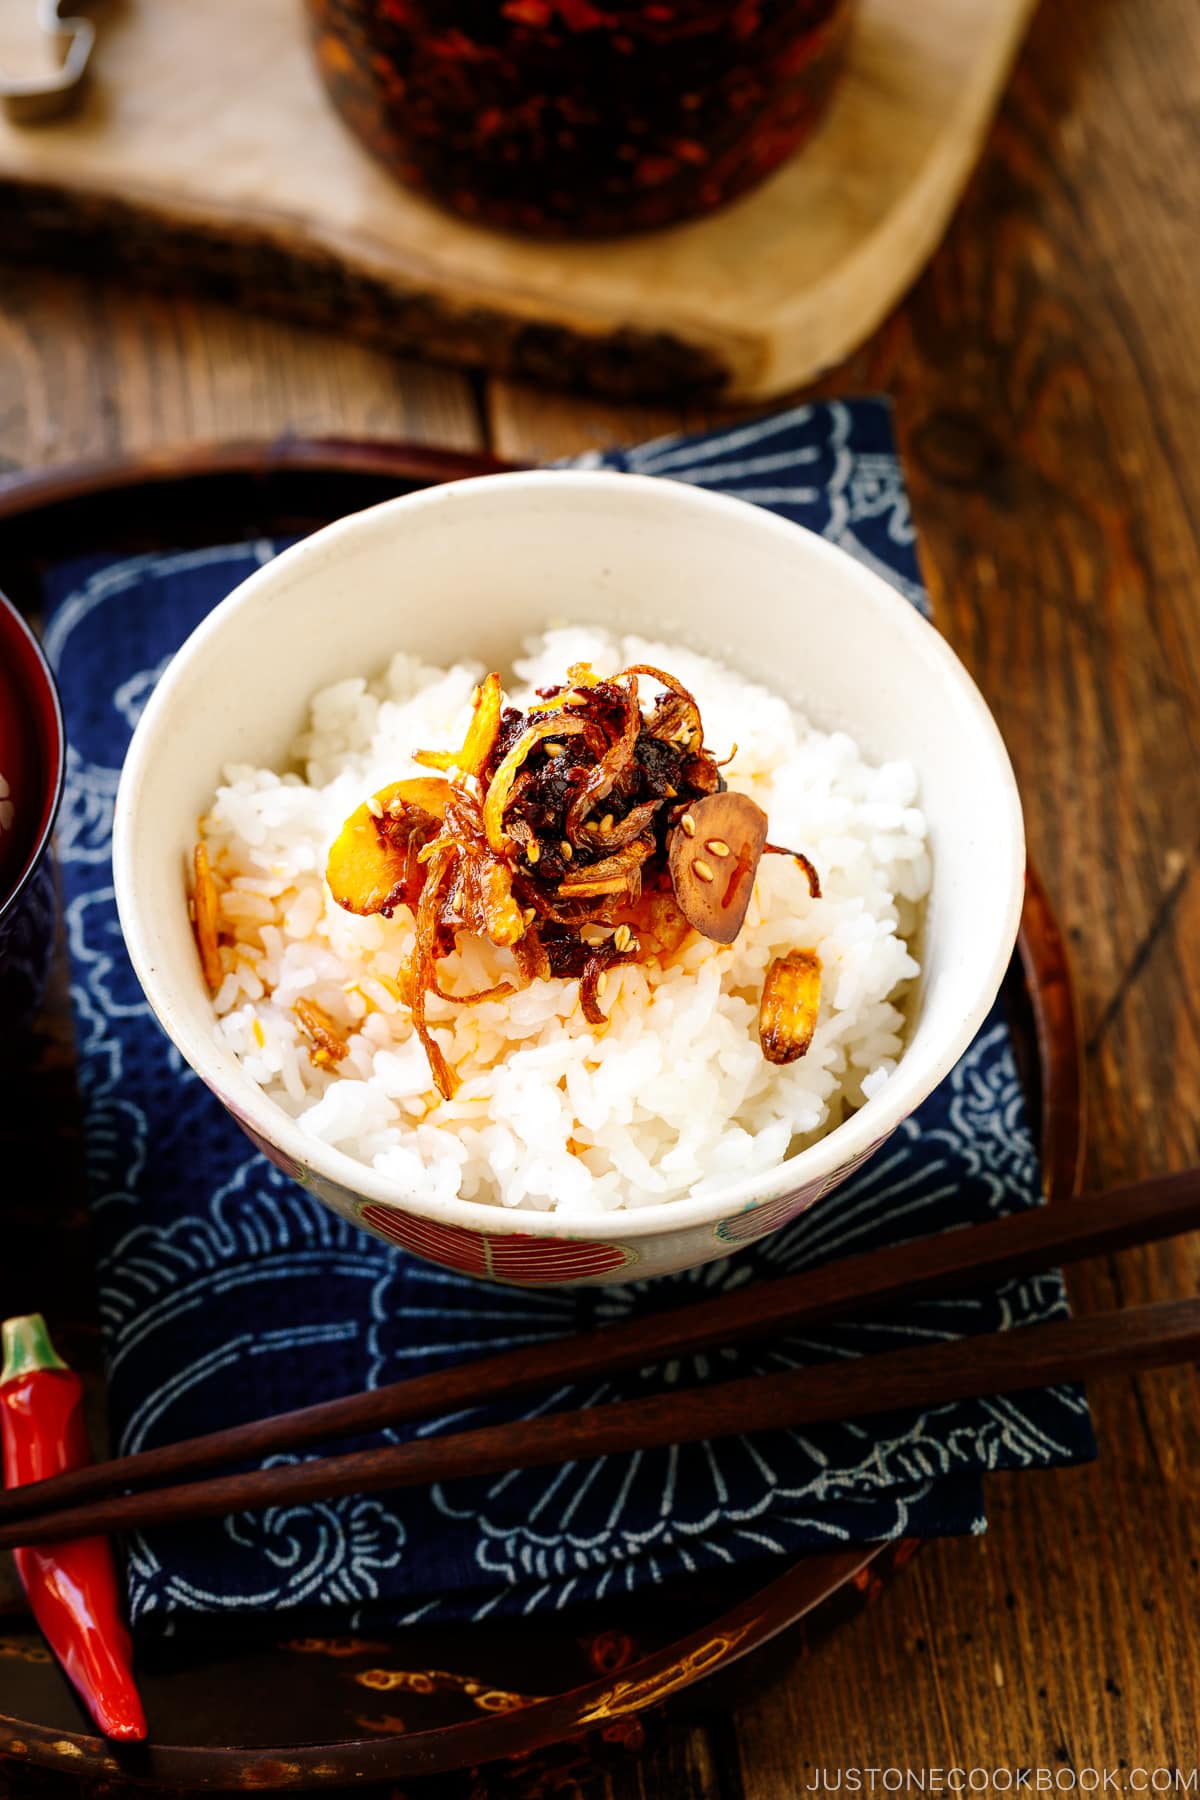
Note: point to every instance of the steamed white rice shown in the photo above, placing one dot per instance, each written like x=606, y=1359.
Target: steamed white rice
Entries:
x=673, y=1096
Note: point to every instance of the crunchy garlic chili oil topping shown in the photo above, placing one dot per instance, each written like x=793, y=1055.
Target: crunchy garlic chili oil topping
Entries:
x=787, y=1015
x=581, y=118
x=713, y=865
x=591, y=830
x=205, y=912
x=373, y=866
x=329, y=1046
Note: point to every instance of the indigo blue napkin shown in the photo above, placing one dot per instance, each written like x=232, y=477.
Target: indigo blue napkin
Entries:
x=227, y=1292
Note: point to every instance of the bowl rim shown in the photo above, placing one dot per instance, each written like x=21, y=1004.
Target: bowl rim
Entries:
x=52, y=799
x=853, y=1139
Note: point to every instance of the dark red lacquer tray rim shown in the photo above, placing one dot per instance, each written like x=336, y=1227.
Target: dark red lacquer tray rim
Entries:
x=57, y=507
x=55, y=754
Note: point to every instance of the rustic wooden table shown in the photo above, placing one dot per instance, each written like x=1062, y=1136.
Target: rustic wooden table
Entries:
x=1046, y=376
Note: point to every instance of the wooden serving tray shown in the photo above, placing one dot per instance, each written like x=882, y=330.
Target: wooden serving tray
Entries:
x=205, y=150
x=277, y=1710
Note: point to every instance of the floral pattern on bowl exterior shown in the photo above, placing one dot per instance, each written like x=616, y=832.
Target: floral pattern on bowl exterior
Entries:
x=580, y=118
x=521, y=1259
x=516, y=1258
x=756, y=1221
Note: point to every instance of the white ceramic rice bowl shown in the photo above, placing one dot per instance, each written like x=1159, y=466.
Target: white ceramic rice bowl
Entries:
x=467, y=571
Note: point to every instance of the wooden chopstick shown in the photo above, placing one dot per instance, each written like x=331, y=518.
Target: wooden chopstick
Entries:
x=1035, y=1356
x=951, y=1262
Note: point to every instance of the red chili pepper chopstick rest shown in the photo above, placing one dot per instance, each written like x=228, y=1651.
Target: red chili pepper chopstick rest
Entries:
x=72, y=1587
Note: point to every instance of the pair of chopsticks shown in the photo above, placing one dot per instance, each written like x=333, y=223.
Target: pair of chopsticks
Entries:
x=159, y=1487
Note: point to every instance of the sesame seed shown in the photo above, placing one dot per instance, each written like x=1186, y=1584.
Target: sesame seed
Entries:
x=456, y=903
x=374, y=808
x=701, y=870
x=671, y=792
x=688, y=824
x=567, y=851
x=601, y=983
x=717, y=846
x=554, y=749
x=575, y=700
x=623, y=937
x=534, y=851
x=606, y=823
x=529, y=915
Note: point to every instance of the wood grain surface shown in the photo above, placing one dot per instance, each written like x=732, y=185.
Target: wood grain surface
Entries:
x=204, y=146
x=1046, y=377
x=1073, y=1229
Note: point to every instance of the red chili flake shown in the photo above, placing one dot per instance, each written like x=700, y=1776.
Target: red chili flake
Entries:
x=528, y=12
x=458, y=47
x=651, y=170
x=581, y=15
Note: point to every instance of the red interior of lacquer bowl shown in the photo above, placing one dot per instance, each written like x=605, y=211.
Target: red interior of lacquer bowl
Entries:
x=31, y=750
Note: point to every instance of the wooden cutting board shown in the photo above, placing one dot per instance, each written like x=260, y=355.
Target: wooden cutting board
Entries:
x=204, y=150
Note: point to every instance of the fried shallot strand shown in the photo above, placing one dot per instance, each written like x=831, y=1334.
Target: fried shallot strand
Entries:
x=631, y=826
x=601, y=780
x=206, y=920
x=329, y=1047
x=424, y=959
x=690, y=714
x=798, y=856
x=488, y=993
x=531, y=957
x=624, y=867
x=589, y=982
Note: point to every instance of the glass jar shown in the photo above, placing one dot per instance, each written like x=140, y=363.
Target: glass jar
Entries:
x=580, y=117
